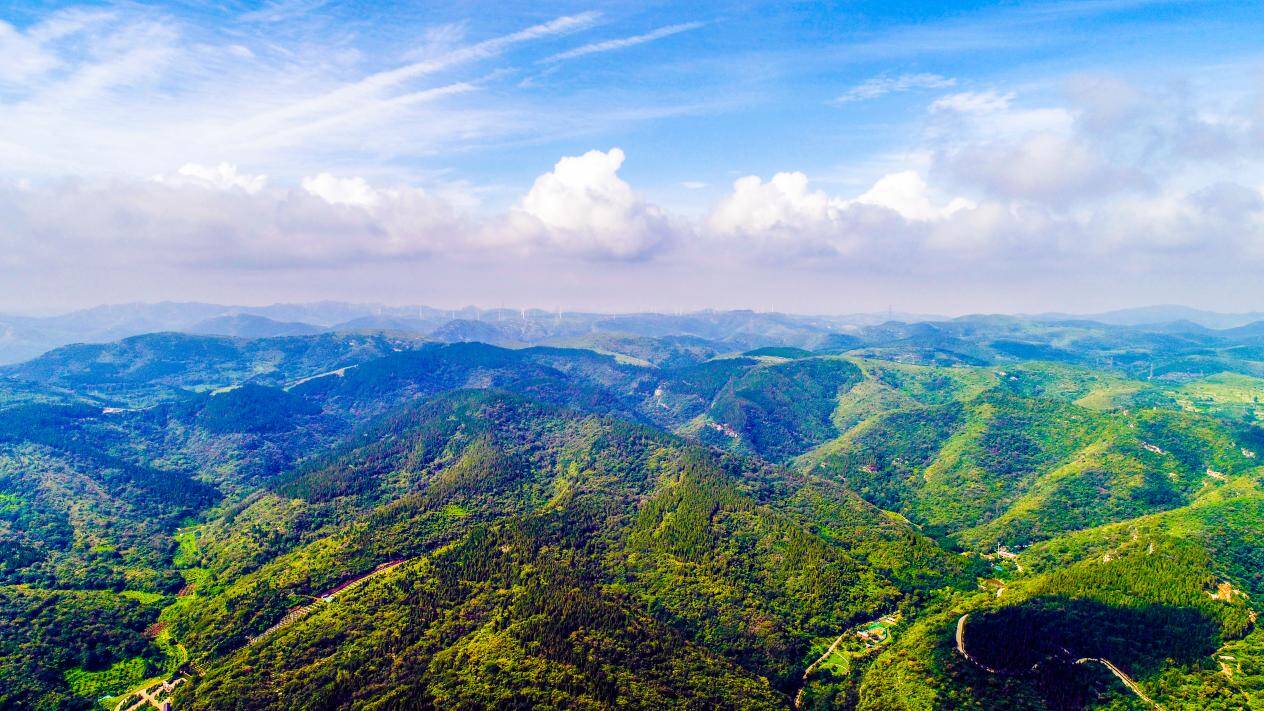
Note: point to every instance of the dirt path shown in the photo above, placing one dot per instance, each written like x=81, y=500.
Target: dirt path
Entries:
x=798, y=698
x=299, y=613
x=338, y=373
x=866, y=632
x=151, y=694
x=340, y=589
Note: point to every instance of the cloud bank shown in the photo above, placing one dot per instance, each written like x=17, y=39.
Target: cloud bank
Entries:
x=1096, y=181
x=136, y=144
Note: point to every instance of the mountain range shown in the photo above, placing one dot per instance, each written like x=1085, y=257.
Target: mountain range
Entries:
x=24, y=337
x=712, y=510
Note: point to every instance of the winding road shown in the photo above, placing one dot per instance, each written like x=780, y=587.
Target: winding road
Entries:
x=961, y=646
x=1119, y=673
x=1127, y=680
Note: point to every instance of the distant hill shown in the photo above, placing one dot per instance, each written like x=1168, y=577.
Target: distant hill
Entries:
x=251, y=326
x=23, y=337
x=143, y=370
x=462, y=330
x=408, y=324
x=1146, y=315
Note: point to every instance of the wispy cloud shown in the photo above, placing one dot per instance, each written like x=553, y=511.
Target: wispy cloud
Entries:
x=28, y=55
x=882, y=85
x=283, y=10
x=138, y=91
x=23, y=57
x=624, y=42
x=974, y=102
x=353, y=96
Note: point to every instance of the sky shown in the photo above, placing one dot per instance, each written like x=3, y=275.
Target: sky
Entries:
x=833, y=157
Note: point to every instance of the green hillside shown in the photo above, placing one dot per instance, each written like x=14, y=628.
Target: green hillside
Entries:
x=359, y=521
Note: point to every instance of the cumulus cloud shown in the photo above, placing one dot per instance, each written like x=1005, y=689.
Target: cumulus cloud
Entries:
x=342, y=191
x=1039, y=166
x=198, y=223
x=220, y=216
x=1220, y=221
x=907, y=194
x=1115, y=172
x=999, y=184
x=1103, y=180
x=786, y=214
x=1105, y=103
x=783, y=207
x=583, y=206
x=224, y=176
x=1116, y=176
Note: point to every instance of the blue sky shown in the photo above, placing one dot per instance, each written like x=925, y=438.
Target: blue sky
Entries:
x=826, y=156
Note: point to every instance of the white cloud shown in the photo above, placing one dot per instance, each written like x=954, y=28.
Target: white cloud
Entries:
x=135, y=90
x=1104, y=103
x=583, y=206
x=27, y=56
x=224, y=176
x=283, y=11
x=991, y=116
x=219, y=217
x=783, y=206
x=1040, y=166
x=1217, y=221
x=784, y=219
x=1042, y=214
x=353, y=191
x=22, y=58
x=882, y=85
x=981, y=231
x=785, y=214
x=1112, y=174
x=196, y=224
x=438, y=40
x=624, y=42
x=973, y=102
x=375, y=90
x=68, y=22
x=906, y=193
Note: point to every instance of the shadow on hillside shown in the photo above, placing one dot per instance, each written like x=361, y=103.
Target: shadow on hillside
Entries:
x=1043, y=637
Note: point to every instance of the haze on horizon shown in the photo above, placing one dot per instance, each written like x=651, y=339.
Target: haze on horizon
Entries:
x=1078, y=155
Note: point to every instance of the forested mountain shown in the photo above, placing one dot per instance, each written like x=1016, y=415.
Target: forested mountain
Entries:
x=726, y=510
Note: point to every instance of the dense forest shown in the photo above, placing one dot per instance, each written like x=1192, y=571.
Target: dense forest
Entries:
x=654, y=513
